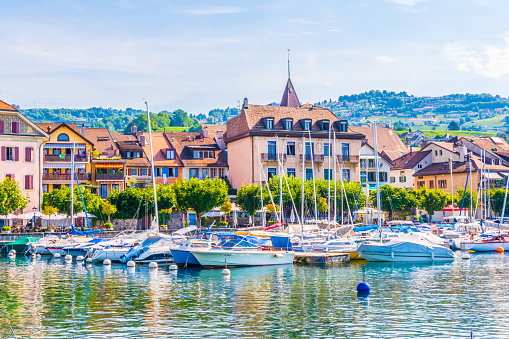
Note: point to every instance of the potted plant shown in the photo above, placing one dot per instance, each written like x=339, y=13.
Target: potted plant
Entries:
x=6, y=229
x=108, y=226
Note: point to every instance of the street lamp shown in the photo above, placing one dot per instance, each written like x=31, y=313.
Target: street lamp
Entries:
x=33, y=220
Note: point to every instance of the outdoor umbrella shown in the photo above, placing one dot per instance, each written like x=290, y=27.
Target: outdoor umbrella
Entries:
x=83, y=215
x=292, y=217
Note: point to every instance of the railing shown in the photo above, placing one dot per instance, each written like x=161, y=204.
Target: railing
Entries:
x=315, y=157
x=109, y=176
x=66, y=158
x=348, y=158
x=64, y=176
x=272, y=156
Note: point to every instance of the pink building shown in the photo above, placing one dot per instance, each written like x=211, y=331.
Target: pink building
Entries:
x=21, y=153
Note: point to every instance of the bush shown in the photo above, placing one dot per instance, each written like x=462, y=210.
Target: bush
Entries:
x=223, y=223
x=6, y=229
x=108, y=226
x=271, y=222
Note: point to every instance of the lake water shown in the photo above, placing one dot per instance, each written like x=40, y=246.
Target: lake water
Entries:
x=47, y=298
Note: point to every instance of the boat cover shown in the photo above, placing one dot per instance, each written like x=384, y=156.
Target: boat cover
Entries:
x=408, y=243
x=281, y=243
x=365, y=228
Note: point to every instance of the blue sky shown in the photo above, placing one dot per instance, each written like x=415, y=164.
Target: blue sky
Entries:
x=200, y=55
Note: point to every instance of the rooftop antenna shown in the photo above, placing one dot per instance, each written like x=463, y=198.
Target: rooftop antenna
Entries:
x=288, y=63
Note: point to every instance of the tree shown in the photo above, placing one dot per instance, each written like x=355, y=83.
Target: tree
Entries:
x=353, y=191
x=131, y=202
x=497, y=201
x=108, y=209
x=226, y=207
x=458, y=198
x=248, y=199
x=432, y=200
x=199, y=195
x=49, y=211
x=394, y=199
x=453, y=126
x=321, y=204
x=11, y=197
x=61, y=199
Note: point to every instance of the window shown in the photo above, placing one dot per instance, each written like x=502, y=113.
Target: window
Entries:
x=289, y=124
x=45, y=188
x=290, y=172
x=440, y=152
x=57, y=151
x=133, y=171
x=10, y=154
x=327, y=151
x=194, y=172
x=271, y=172
x=309, y=174
x=371, y=163
x=170, y=154
x=203, y=154
x=10, y=176
x=436, y=152
x=371, y=176
x=269, y=123
x=221, y=172
x=63, y=137
x=363, y=163
x=205, y=173
x=383, y=176
x=28, y=154
x=419, y=166
x=29, y=182
x=420, y=183
x=290, y=148
x=307, y=125
x=115, y=187
x=327, y=175
x=431, y=184
x=159, y=172
x=402, y=179
x=171, y=172
x=15, y=127
x=325, y=125
x=442, y=183
x=310, y=149
x=104, y=191
x=393, y=179
x=363, y=176
x=345, y=151
x=346, y=174
x=271, y=149
x=128, y=154
x=144, y=172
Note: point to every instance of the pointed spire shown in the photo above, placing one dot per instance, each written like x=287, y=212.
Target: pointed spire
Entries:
x=290, y=98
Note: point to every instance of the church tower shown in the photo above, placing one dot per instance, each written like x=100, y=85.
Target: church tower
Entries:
x=290, y=98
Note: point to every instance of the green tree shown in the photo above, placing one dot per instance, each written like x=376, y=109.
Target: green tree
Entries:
x=199, y=195
x=352, y=192
x=131, y=202
x=497, y=201
x=394, y=199
x=108, y=209
x=11, y=197
x=432, y=200
x=458, y=198
x=453, y=126
x=61, y=199
x=321, y=204
x=226, y=208
x=248, y=199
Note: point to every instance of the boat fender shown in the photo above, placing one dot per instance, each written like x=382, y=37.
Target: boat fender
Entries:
x=225, y=271
x=12, y=251
x=89, y=260
x=56, y=255
x=68, y=257
x=465, y=256
x=152, y=264
x=392, y=255
x=79, y=258
x=432, y=256
x=106, y=262
x=363, y=288
x=500, y=250
x=278, y=255
x=131, y=263
x=173, y=267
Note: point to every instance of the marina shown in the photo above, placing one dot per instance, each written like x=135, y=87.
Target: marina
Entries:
x=49, y=298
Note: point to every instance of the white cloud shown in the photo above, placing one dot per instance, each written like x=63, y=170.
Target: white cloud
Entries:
x=407, y=2
x=492, y=62
x=385, y=59
x=213, y=10
x=301, y=21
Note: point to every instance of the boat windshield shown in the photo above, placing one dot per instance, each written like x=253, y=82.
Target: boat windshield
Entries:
x=237, y=243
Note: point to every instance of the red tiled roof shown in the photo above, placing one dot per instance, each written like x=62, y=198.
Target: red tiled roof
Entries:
x=213, y=129
x=102, y=139
x=6, y=107
x=409, y=160
x=160, y=144
x=185, y=142
x=389, y=142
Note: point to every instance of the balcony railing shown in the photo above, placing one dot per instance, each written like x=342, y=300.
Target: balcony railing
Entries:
x=272, y=156
x=314, y=157
x=109, y=176
x=348, y=158
x=64, y=177
x=65, y=158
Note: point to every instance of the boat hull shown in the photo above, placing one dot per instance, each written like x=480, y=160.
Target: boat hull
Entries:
x=184, y=258
x=486, y=246
x=113, y=255
x=405, y=256
x=218, y=258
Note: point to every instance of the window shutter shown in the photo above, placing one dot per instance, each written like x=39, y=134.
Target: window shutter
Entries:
x=176, y=172
x=27, y=182
x=31, y=177
x=28, y=154
x=15, y=127
x=1, y=126
x=3, y=153
x=16, y=154
x=149, y=172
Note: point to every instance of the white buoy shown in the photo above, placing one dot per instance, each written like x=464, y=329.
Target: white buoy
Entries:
x=106, y=262
x=38, y=256
x=225, y=271
x=173, y=267
x=79, y=258
x=131, y=263
x=152, y=264
x=56, y=255
x=89, y=260
x=12, y=251
x=465, y=256
x=11, y=254
x=68, y=257
x=34, y=255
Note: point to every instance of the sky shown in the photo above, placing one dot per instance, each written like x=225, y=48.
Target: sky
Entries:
x=201, y=55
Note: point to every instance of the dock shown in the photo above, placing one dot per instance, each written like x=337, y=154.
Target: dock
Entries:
x=321, y=258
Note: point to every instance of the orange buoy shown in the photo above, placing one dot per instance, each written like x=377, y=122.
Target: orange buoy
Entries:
x=471, y=251
x=500, y=250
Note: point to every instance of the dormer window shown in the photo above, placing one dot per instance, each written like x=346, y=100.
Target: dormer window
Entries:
x=288, y=124
x=170, y=154
x=306, y=124
x=342, y=125
x=324, y=125
x=269, y=123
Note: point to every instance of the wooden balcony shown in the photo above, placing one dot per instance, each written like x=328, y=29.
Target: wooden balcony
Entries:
x=272, y=156
x=348, y=158
x=316, y=158
x=66, y=158
x=109, y=176
x=64, y=177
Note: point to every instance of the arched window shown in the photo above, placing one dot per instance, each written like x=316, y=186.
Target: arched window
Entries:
x=63, y=137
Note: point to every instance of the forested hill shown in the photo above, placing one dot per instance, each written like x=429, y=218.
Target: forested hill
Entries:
x=120, y=120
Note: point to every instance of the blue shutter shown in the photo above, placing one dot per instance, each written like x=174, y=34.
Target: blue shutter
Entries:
x=176, y=172
x=166, y=171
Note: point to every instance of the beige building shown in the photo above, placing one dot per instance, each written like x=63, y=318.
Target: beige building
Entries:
x=298, y=136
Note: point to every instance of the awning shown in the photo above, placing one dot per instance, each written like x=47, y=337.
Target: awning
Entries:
x=64, y=146
x=212, y=214
x=493, y=176
x=59, y=165
x=109, y=165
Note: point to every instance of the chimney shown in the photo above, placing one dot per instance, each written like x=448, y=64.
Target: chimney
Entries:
x=463, y=153
x=83, y=130
x=220, y=140
x=134, y=129
x=245, y=104
x=205, y=132
x=143, y=141
x=424, y=143
x=49, y=129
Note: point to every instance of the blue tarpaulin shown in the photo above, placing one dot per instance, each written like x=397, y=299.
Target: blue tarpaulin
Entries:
x=281, y=243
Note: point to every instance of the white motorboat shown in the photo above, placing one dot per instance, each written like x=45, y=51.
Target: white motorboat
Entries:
x=333, y=245
x=51, y=240
x=156, y=248
x=488, y=245
x=410, y=247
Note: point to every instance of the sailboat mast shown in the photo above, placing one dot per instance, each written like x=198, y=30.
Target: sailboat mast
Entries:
x=505, y=200
x=452, y=190
x=280, y=165
x=335, y=184
x=72, y=182
x=328, y=181
x=303, y=186
x=262, y=213
x=152, y=166
x=312, y=151
x=377, y=173
x=471, y=179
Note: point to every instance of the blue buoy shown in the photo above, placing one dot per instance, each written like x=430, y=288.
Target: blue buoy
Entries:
x=363, y=288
